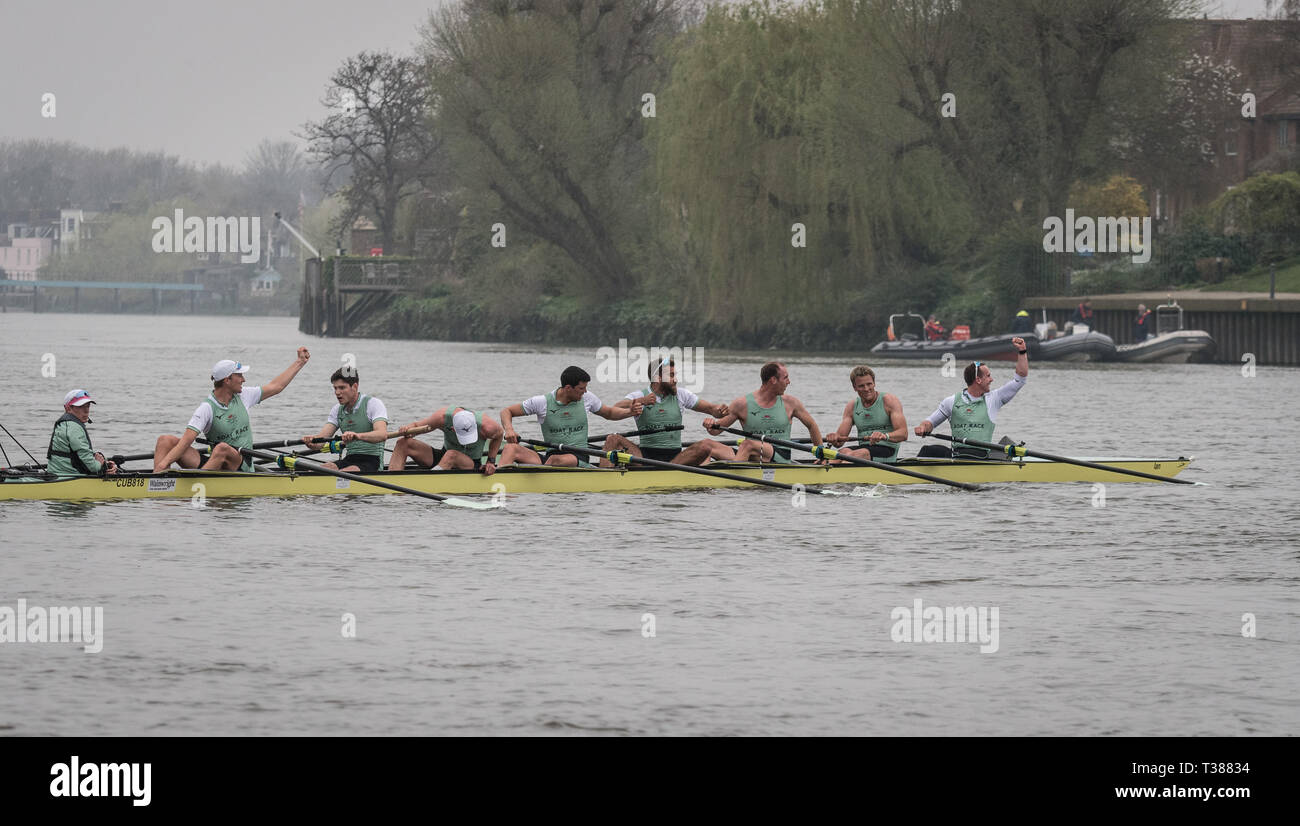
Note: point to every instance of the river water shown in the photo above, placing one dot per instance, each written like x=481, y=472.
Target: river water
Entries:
x=1121, y=611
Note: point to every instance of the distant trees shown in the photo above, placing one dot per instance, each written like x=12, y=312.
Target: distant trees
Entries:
x=542, y=106
x=378, y=144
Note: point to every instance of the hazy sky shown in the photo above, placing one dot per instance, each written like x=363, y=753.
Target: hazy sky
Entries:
x=203, y=79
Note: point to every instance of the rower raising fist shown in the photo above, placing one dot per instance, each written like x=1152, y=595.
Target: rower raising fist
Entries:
x=304, y=355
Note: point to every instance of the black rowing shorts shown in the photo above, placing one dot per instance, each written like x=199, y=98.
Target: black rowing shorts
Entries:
x=660, y=454
x=366, y=463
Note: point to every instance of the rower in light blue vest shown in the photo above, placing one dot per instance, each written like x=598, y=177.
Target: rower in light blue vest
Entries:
x=562, y=415
x=361, y=422
x=222, y=419
x=663, y=403
x=768, y=411
x=973, y=412
x=877, y=416
x=470, y=441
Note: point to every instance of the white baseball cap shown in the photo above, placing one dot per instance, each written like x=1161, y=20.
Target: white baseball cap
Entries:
x=465, y=426
x=225, y=368
x=76, y=398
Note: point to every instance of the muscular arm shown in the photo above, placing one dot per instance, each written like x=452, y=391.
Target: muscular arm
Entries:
x=716, y=410
x=735, y=413
x=277, y=384
x=897, y=422
x=796, y=410
x=507, y=421
x=842, y=432
x=326, y=430
x=617, y=411
x=377, y=435
x=187, y=439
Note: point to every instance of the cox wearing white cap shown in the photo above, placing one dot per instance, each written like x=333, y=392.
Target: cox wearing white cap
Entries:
x=470, y=441
x=70, y=452
x=222, y=419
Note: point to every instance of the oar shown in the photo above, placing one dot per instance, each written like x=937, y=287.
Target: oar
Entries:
x=831, y=453
x=619, y=458
x=292, y=461
x=666, y=429
x=1017, y=450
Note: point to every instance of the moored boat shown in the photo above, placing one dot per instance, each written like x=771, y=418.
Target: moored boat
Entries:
x=1085, y=346
x=1172, y=344
x=186, y=484
x=987, y=348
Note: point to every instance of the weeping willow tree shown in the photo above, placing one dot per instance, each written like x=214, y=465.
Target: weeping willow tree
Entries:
x=541, y=103
x=772, y=121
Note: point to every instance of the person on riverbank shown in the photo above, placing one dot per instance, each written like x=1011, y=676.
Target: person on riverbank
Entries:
x=361, y=422
x=222, y=418
x=973, y=412
x=70, y=452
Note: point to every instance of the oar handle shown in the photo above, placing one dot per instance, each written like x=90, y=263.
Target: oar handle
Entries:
x=620, y=458
x=823, y=453
x=665, y=429
x=1021, y=450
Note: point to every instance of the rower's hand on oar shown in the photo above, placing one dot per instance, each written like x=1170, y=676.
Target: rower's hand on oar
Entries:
x=511, y=436
x=407, y=429
x=711, y=425
x=924, y=428
x=489, y=467
x=348, y=436
x=876, y=436
x=309, y=441
x=834, y=439
x=110, y=467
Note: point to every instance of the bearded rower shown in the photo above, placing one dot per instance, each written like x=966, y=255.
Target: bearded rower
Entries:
x=877, y=416
x=663, y=403
x=223, y=419
x=362, y=422
x=562, y=415
x=768, y=411
x=466, y=437
x=974, y=410
x=70, y=452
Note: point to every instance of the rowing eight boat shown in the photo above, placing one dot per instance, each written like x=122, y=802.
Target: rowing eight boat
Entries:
x=184, y=484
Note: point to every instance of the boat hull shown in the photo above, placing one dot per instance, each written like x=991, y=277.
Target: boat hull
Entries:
x=1178, y=347
x=987, y=348
x=535, y=479
x=1089, y=346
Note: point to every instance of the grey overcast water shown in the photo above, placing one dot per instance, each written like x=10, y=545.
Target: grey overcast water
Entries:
x=769, y=619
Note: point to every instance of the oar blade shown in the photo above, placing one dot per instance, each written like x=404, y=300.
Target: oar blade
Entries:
x=470, y=504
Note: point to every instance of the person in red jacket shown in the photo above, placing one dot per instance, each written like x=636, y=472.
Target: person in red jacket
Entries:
x=934, y=331
x=1144, y=327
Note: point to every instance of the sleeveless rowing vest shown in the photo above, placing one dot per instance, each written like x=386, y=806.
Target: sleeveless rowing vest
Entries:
x=358, y=421
x=970, y=420
x=230, y=425
x=60, y=458
x=565, y=424
x=871, y=419
x=450, y=442
x=666, y=412
x=769, y=421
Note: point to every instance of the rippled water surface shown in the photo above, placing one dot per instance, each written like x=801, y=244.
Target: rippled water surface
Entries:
x=769, y=618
